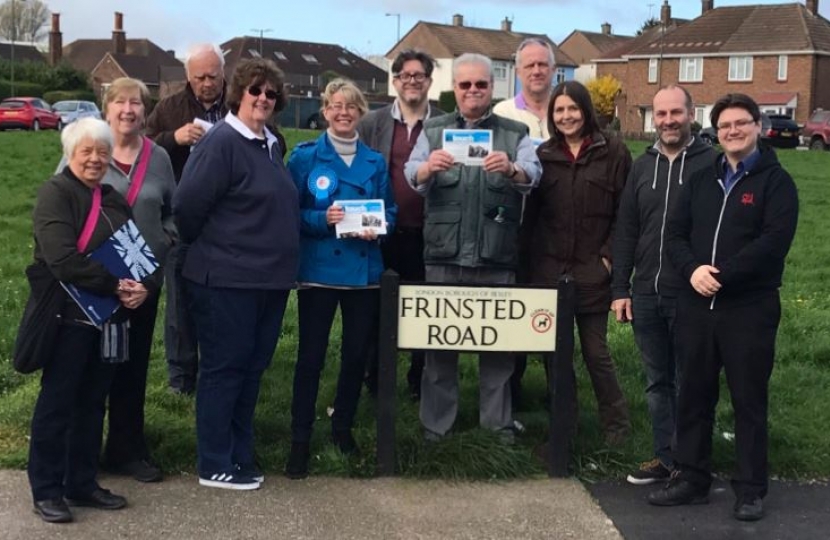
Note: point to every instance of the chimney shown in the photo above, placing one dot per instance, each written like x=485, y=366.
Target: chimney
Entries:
x=55, y=40
x=606, y=29
x=812, y=6
x=506, y=25
x=665, y=13
x=708, y=5
x=458, y=20
x=119, y=38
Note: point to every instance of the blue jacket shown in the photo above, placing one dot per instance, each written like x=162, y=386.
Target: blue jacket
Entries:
x=324, y=259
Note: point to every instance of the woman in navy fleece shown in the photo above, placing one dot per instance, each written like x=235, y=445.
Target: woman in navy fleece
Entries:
x=238, y=209
x=344, y=272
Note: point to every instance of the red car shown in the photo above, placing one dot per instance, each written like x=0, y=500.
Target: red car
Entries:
x=28, y=113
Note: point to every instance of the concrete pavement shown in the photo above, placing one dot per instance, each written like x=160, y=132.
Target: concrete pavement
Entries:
x=319, y=507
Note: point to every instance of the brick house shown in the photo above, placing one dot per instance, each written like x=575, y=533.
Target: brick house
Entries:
x=446, y=42
x=583, y=47
x=778, y=54
x=108, y=59
x=307, y=66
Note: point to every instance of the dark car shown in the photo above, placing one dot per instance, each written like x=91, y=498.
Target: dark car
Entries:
x=28, y=113
x=816, y=133
x=777, y=130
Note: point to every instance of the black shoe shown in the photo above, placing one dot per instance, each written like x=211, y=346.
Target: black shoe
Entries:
x=297, y=466
x=649, y=472
x=679, y=492
x=102, y=499
x=141, y=470
x=749, y=509
x=344, y=441
x=53, y=511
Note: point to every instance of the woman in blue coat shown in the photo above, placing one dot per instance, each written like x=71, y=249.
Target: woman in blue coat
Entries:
x=335, y=271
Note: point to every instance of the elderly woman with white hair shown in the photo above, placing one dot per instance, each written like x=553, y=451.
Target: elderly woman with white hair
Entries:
x=74, y=214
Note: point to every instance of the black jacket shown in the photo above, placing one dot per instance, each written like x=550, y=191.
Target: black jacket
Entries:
x=639, y=237
x=744, y=233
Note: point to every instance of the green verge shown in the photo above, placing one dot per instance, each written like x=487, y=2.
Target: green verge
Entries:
x=799, y=416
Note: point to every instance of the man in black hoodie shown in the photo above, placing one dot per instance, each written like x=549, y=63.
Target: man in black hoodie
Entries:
x=728, y=235
x=655, y=182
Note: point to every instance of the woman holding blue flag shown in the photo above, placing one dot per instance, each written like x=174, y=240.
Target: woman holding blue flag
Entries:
x=335, y=271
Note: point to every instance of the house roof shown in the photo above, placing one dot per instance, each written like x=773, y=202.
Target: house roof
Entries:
x=751, y=29
x=775, y=98
x=291, y=60
x=649, y=36
x=21, y=52
x=145, y=57
x=603, y=43
x=450, y=41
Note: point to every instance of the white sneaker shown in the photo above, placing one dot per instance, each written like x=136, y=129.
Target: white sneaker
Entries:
x=229, y=481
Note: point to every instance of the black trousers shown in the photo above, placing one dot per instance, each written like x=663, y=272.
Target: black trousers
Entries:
x=317, y=306
x=125, y=438
x=180, y=343
x=741, y=340
x=69, y=416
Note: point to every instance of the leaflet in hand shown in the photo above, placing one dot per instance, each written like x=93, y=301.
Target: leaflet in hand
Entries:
x=126, y=255
x=361, y=215
x=468, y=146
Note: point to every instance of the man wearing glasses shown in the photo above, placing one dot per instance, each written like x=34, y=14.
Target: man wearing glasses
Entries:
x=534, y=67
x=392, y=131
x=729, y=235
x=471, y=229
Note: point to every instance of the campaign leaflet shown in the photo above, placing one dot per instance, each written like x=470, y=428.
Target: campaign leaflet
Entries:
x=468, y=146
x=126, y=255
x=361, y=215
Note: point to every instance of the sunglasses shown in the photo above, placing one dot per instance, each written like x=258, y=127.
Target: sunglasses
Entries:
x=269, y=94
x=466, y=85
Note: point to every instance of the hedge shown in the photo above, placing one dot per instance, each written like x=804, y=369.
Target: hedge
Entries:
x=63, y=95
x=20, y=89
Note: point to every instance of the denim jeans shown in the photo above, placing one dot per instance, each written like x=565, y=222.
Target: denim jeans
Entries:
x=654, y=320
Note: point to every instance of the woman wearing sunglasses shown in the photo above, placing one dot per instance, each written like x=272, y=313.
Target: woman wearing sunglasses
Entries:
x=238, y=209
x=335, y=271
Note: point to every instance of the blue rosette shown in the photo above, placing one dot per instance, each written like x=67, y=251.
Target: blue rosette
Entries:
x=322, y=182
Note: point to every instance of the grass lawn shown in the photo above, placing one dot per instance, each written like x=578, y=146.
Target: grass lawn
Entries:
x=799, y=415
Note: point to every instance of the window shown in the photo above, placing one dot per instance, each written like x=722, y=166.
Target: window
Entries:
x=782, y=68
x=343, y=61
x=499, y=71
x=310, y=58
x=254, y=53
x=691, y=69
x=559, y=76
x=740, y=68
x=280, y=55
x=652, y=70
x=700, y=115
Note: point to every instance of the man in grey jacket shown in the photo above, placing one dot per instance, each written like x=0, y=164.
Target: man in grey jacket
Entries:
x=392, y=131
x=638, y=246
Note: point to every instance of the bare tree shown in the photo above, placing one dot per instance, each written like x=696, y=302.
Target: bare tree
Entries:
x=24, y=20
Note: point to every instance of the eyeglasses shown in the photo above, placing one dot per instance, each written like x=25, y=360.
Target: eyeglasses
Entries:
x=466, y=85
x=407, y=77
x=269, y=94
x=339, y=107
x=737, y=124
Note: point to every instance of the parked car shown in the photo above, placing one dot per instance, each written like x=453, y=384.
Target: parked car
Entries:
x=70, y=111
x=777, y=130
x=816, y=133
x=28, y=113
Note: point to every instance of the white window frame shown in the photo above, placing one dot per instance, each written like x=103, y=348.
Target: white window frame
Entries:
x=740, y=69
x=700, y=115
x=311, y=59
x=343, y=61
x=254, y=53
x=783, y=65
x=280, y=55
x=652, y=70
x=500, y=71
x=559, y=76
x=691, y=69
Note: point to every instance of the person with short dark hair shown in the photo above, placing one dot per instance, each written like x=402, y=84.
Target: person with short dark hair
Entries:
x=567, y=230
x=238, y=209
x=392, y=131
x=639, y=248
x=729, y=235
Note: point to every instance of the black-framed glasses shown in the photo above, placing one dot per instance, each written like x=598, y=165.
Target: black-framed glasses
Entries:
x=466, y=85
x=269, y=94
x=407, y=77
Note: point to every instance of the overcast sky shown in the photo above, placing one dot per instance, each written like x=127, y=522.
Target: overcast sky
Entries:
x=359, y=25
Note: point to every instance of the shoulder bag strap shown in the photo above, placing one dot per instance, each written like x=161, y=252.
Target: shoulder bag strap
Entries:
x=91, y=220
x=140, y=171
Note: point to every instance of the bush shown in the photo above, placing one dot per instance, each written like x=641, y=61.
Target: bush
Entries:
x=446, y=101
x=63, y=95
x=696, y=127
x=60, y=77
x=20, y=89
